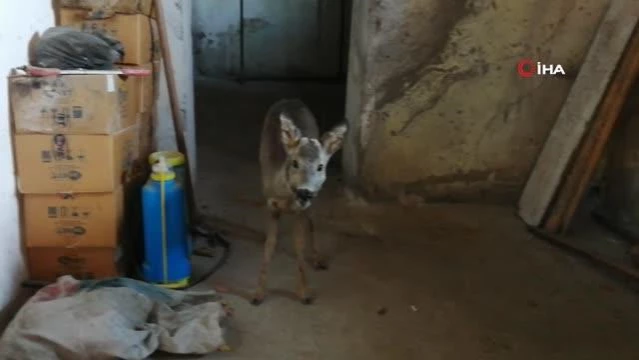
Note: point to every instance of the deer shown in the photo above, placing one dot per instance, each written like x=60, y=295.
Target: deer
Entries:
x=293, y=160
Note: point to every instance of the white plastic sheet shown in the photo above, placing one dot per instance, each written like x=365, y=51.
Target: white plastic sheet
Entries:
x=117, y=318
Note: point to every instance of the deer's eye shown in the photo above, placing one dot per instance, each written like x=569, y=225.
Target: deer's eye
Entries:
x=296, y=165
x=320, y=167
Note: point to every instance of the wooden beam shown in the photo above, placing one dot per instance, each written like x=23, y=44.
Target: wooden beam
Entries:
x=590, y=152
x=577, y=112
x=577, y=246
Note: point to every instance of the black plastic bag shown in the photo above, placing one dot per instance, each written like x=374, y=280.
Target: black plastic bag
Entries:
x=68, y=49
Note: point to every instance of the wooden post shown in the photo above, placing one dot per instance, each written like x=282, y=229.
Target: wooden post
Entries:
x=576, y=115
x=580, y=174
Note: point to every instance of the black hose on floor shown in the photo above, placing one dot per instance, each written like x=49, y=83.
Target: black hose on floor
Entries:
x=214, y=240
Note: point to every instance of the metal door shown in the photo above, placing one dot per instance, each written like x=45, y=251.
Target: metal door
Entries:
x=270, y=39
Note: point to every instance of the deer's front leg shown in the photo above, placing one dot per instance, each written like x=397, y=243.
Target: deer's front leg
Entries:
x=300, y=232
x=269, y=248
x=317, y=260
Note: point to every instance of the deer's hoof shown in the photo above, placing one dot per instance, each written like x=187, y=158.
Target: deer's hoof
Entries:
x=307, y=300
x=258, y=299
x=634, y=255
x=320, y=265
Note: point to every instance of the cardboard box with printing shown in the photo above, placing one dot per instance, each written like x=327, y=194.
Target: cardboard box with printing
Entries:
x=49, y=263
x=53, y=163
x=98, y=103
x=133, y=30
x=73, y=220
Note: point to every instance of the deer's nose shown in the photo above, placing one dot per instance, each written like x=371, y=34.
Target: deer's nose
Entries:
x=304, y=194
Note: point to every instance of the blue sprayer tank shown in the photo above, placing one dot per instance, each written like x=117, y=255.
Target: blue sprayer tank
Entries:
x=166, y=247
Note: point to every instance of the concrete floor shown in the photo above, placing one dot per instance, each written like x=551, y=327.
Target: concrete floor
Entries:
x=456, y=281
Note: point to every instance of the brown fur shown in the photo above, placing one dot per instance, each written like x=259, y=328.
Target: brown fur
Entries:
x=290, y=133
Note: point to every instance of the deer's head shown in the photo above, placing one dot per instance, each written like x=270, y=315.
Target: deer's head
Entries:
x=307, y=158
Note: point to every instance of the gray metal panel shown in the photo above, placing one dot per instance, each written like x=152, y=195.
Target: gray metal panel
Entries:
x=216, y=37
x=292, y=38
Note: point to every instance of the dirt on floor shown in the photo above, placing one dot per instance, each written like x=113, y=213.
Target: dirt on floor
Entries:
x=432, y=282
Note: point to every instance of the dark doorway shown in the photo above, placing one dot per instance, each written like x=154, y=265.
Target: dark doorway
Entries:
x=249, y=54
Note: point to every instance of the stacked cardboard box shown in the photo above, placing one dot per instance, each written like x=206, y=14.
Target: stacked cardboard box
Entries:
x=76, y=140
x=133, y=23
x=81, y=143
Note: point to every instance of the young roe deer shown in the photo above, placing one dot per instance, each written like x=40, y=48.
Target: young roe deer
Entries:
x=293, y=161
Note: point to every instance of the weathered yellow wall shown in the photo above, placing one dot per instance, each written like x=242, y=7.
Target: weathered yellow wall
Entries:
x=436, y=107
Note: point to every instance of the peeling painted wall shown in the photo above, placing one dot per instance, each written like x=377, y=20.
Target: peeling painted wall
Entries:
x=437, y=109
x=178, y=18
x=16, y=30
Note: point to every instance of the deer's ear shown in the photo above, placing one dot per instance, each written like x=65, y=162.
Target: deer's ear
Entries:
x=333, y=139
x=291, y=135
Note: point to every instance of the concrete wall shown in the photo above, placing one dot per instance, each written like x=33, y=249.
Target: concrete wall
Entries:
x=437, y=109
x=19, y=21
x=178, y=16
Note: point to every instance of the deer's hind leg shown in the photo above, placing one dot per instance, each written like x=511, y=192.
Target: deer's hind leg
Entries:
x=272, y=223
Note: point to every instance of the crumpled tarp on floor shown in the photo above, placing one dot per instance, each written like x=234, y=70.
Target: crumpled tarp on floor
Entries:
x=121, y=318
